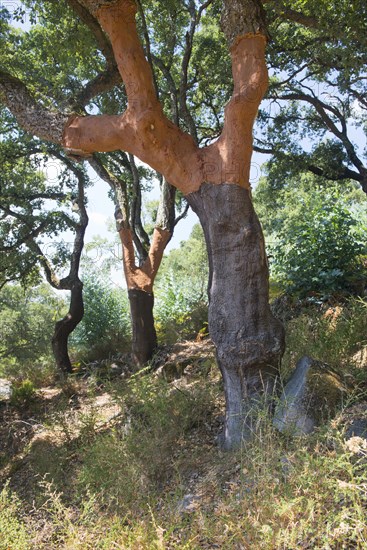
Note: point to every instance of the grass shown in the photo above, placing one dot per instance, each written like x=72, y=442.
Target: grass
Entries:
x=135, y=465
x=332, y=334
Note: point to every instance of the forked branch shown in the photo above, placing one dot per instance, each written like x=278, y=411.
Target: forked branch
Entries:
x=142, y=278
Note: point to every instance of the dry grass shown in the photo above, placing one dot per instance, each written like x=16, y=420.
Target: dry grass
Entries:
x=135, y=465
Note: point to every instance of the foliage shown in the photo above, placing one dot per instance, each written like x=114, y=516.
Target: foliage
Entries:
x=104, y=329
x=27, y=318
x=317, y=235
x=123, y=484
x=13, y=530
x=181, y=301
x=22, y=394
x=315, y=118
x=332, y=334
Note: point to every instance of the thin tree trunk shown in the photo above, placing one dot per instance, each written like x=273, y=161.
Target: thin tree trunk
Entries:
x=249, y=340
x=140, y=281
x=144, y=337
x=65, y=327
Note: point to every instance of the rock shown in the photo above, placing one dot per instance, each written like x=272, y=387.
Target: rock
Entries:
x=116, y=369
x=311, y=396
x=5, y=389
x=353, y=421
x=357, y=428
x=172, y=370
x=188, y=504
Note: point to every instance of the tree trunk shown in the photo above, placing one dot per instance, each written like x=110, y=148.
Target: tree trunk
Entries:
x=65, y=327
x=249, y=340
x=144, y=337
x=140, y=282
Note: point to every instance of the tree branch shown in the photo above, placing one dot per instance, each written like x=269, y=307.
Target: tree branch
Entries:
x=322, y=109
x=186, y=115
x=31, y=115
x=92, y=23
x=101, y=83
x=141, y=239
x=293, y=15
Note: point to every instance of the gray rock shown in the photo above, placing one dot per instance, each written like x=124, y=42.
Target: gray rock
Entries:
x=357, y=428
x=354, y=421
x=116, y=369
x=172, y=370
x=311, y=396
x=5, y=389
x=188, y=503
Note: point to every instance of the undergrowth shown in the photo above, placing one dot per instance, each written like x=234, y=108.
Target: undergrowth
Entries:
x=151, y=476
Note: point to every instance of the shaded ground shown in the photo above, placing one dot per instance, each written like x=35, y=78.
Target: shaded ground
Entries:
x=119, y=460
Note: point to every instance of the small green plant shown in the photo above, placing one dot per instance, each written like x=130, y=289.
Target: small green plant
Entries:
x=332, y=335
x=13, y=532
x=22, y=393
x=105, y=327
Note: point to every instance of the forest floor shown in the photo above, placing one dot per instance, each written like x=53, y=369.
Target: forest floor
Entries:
x=119, y=460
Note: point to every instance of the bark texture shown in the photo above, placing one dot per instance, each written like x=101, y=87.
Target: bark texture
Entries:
x=142, y=278
x=144, y=341
x=140, y=282
x=65, y=327
x=248, y=339
x=31, y=116
x=241, y=17
x=144, y=130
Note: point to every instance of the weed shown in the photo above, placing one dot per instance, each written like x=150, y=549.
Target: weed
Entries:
x=22, y=393
x=127, y=466
x=124, y=484
x=331, y=336
x=14, y=535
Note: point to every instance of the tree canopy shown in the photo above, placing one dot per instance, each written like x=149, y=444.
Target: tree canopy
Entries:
x=315, y=116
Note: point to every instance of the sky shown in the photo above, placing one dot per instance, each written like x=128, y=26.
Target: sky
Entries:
x=101, y=207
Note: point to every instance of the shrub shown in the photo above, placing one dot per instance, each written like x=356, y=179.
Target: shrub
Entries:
x=321, y=247
x=27, y=318
x=105, y=328
x=13, y=532
x=22, y=393
x=181, y=309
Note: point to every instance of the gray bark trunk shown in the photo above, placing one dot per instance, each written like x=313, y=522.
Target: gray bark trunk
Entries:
x=144, y=337
x=65, y=327
x=248, y=339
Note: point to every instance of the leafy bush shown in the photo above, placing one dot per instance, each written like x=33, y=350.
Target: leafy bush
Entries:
x=318, y=237
x=105, y=327
x=13, y=531
x=181, y=309
x=22, y=393
x=27, y=319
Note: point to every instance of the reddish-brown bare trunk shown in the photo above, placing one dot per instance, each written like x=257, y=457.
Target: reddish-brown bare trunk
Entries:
x=140, y=282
